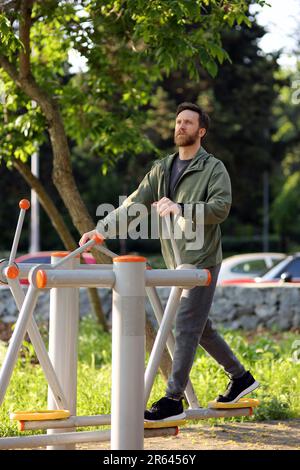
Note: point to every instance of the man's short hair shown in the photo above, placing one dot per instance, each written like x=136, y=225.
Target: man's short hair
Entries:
x=204, y=120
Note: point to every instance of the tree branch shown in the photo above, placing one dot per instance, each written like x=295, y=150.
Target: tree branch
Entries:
x=9, y=68
x=47, y=203
x=7, y=5
x=29, y=86
x=24, y=32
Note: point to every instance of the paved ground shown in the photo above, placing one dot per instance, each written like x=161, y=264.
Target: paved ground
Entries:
x=267, y=435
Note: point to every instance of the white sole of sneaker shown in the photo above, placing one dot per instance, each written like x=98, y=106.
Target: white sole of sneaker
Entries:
x=245, y=392
x=170, y=418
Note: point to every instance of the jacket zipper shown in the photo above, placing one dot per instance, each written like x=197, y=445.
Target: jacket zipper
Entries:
x=183, y=174
x=167, y=179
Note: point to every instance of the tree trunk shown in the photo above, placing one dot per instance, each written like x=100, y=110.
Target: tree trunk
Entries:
x=47, y=203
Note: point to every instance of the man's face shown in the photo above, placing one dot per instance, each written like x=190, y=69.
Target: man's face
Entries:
x=187, y=129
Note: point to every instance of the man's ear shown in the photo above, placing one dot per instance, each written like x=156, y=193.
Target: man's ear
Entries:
x=202, y=132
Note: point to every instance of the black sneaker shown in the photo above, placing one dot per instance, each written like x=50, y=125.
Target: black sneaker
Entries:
x=165, y=409
x=237, y=388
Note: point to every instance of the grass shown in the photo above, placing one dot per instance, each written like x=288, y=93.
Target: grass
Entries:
x=269, y=356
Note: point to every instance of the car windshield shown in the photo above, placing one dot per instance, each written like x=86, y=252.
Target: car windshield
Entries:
x=39, y=260
x=275, y=262
x=255, y=267
x=251, y=267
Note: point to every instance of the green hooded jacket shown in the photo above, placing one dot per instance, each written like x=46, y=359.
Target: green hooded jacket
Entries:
x=204, y=188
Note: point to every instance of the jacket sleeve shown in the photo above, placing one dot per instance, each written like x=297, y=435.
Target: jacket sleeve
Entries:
x=218, y=201
x=117, y=221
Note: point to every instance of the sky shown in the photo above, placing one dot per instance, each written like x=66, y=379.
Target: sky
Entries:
x=281, y=20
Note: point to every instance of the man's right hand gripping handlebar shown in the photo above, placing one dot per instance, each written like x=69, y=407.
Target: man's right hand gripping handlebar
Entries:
x=92, y=235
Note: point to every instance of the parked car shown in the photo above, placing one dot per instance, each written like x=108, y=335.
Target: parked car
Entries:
x=248, y=265
x=287, y=270
x=44, y=257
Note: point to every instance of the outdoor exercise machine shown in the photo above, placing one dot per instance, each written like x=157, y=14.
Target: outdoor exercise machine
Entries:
x=131, y=280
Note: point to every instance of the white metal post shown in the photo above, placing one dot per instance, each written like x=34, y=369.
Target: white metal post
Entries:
x=63, y=336
x=16, y=339
x=155, y=301
x=39, y=347
x=28, y=442
x=162, y=335
x=128, y=354
x=161, y=340
x=24, y=205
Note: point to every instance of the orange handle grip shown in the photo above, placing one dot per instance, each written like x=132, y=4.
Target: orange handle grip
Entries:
x=41, y=279
x=24, y=204
x=98, y=239
x=12, y=272
x=208, y=277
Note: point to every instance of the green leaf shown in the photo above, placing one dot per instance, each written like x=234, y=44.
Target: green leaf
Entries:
x=212, y=68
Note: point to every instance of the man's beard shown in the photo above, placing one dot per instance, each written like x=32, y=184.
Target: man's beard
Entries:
x=185, y=140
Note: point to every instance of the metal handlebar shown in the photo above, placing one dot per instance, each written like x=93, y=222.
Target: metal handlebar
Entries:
x=24, y=205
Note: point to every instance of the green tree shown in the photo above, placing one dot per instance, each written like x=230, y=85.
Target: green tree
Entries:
x=243, y=123
x=286, y=211
x=286, y=205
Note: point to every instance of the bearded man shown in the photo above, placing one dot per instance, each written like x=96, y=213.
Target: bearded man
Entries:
x=191, y=177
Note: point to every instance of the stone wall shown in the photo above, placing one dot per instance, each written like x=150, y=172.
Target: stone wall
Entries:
x=249, y=307
x=234, y=307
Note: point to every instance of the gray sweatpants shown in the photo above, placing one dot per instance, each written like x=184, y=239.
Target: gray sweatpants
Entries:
x=193, y=327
